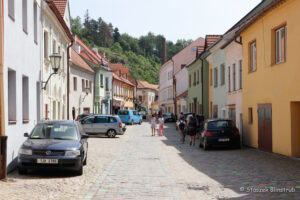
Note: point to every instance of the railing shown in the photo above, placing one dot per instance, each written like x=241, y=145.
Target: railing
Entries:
x=3, y=148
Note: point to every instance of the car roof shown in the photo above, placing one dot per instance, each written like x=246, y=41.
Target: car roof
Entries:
x=214, y=120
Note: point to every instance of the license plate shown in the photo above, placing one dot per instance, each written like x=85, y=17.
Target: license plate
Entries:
x=47, y=161
x=224, y=140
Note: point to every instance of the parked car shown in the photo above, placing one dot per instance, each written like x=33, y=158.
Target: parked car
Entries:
x=103, y=124
x=219, y=133
x=54, y=145
x=130, y=117
x=169, y=117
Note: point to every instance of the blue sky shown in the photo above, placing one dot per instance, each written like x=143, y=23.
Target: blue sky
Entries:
x=175, y=19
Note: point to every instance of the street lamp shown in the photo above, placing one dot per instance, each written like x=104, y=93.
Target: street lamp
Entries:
x=55, y=62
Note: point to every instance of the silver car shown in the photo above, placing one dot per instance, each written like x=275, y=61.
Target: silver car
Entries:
x=103, y=124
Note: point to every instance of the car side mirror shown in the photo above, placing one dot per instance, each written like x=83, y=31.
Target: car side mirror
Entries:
x=26, y=135
x=84, y=136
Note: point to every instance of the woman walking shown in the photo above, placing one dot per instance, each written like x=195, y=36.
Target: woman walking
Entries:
x=153, y=124
x=161, y=124
x=192, y=128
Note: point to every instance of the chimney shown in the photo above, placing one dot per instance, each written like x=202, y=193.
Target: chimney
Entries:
x=95, y=49
x=164, y=52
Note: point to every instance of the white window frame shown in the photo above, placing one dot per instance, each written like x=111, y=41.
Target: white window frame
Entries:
x=11, y=9
x=279, y=58
x=253, y=56
x=25, y=16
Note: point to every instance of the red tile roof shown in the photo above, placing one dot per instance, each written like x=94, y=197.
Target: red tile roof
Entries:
x=77, y=60
x=60, y=18
x=119, y=66
x=124, y=80
x=61, y=6
x=146, y=85
x=210, y=40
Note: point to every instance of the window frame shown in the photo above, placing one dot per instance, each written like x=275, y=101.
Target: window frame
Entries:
x=234, y=76
x=252, y=68
x=25, y=16
x=278, y=44
x=215, y=77
x=11, y=9
x=222, y=72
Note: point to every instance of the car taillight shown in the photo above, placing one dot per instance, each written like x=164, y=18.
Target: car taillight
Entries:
x=120, y=124
x=207, y=133
x=128, y=117
x=236, y=132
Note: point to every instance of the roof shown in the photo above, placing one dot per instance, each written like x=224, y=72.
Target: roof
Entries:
x=182, y=94
x=210, y=40
x=77, y=60
x=124, y=80
x=118, y=66
x=146, y=85
x=96, y=58
x=61, y=6
x=60, y=17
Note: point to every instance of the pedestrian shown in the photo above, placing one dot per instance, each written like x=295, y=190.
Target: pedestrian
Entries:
x=192, y=128
x=181, y=128
x=161, y=124
x=153, y=124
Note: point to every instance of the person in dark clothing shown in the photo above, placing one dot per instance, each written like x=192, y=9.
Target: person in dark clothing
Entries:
x=192, y=128
x=181, y=128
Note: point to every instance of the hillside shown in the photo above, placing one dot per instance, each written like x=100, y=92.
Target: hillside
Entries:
x=143, y=55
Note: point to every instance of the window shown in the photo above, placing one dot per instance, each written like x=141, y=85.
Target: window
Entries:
x=63, y=61
x=25, y=99
x=250, y=116
x=12, y=98
x=87, y=84
x=280, y=45
x=58, y=49
x=253, y=54
x=24, y=15
x=35, y=16
x=101, y=80
x=46, y=49
x=222, y=74
x=241, y=73
x=215, y=111
x=198, y=77
x=91, y=86
x=75, y=83
x=194, y=83
x=190, y=80
x=11, y=9
x=229, y=80
x=234, y=77
x=215, y=77
x=106, y=84
x=83, y=85
x=54, y=46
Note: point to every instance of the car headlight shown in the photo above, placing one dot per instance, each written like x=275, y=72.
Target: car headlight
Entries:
x=25, y=151
x=73, y=153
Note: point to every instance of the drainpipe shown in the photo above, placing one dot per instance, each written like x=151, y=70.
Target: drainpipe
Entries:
x=112, y=92
x=68, y=79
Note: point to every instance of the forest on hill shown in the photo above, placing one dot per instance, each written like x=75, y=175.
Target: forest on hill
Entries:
x=143, y=55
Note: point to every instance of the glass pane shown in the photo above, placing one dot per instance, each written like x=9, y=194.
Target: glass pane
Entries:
x=101, y=119
x=261, y=114
x=268, y=114
x=282, y=52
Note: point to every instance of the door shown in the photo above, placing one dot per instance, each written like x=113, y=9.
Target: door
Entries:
x=88, y=125
x=100, y=124
x=265, y=127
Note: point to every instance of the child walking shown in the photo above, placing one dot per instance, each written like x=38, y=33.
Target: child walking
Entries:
x=161, y=125
x=153, y=124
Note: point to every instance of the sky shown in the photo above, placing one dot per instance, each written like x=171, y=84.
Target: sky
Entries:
x=175, y=19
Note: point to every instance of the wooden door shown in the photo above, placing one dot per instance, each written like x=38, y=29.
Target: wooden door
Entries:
x=265, y=127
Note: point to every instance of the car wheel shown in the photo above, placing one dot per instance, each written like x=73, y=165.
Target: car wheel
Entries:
x=140, y=123
x=22, y=171
x=85, y=160
x=111, y=133
x=205, y=147
x=80, y=171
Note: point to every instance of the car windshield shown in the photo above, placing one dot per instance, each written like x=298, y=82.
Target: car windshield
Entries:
x=55, y=131
x=123, y=112
x=220, y=124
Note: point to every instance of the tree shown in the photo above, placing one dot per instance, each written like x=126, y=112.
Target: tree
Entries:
x=76, y=26
x=116, y=35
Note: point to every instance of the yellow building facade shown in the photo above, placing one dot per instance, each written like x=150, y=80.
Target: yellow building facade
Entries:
x=271, y=69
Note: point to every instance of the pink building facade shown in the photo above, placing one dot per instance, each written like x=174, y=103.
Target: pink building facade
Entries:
x=166, y=90
x=234, y=75
x=181, y=59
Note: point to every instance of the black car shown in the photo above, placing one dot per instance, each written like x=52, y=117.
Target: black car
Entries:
x=169, y=117
x=54, y=145
x=219, y=133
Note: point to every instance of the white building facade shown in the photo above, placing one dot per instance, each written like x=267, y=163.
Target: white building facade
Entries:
x=166, y=90
x=81, y=86
x=56, y=39
x=22, y=70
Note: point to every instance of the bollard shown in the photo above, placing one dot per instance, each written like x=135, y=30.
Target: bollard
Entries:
x=3, y=149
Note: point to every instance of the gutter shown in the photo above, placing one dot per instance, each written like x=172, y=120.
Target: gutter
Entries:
x=68, y=79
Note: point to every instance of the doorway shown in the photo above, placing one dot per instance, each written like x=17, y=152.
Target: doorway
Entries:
x=295, y=127
x=265, y=127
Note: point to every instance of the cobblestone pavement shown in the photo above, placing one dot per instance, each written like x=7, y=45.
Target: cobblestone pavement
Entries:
x=139, y=166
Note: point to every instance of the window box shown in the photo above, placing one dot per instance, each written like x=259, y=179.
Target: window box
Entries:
x=25, y=121
x=12, y=122
x=102, y=86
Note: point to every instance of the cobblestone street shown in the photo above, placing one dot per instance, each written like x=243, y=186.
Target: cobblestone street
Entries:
x=139, y=166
